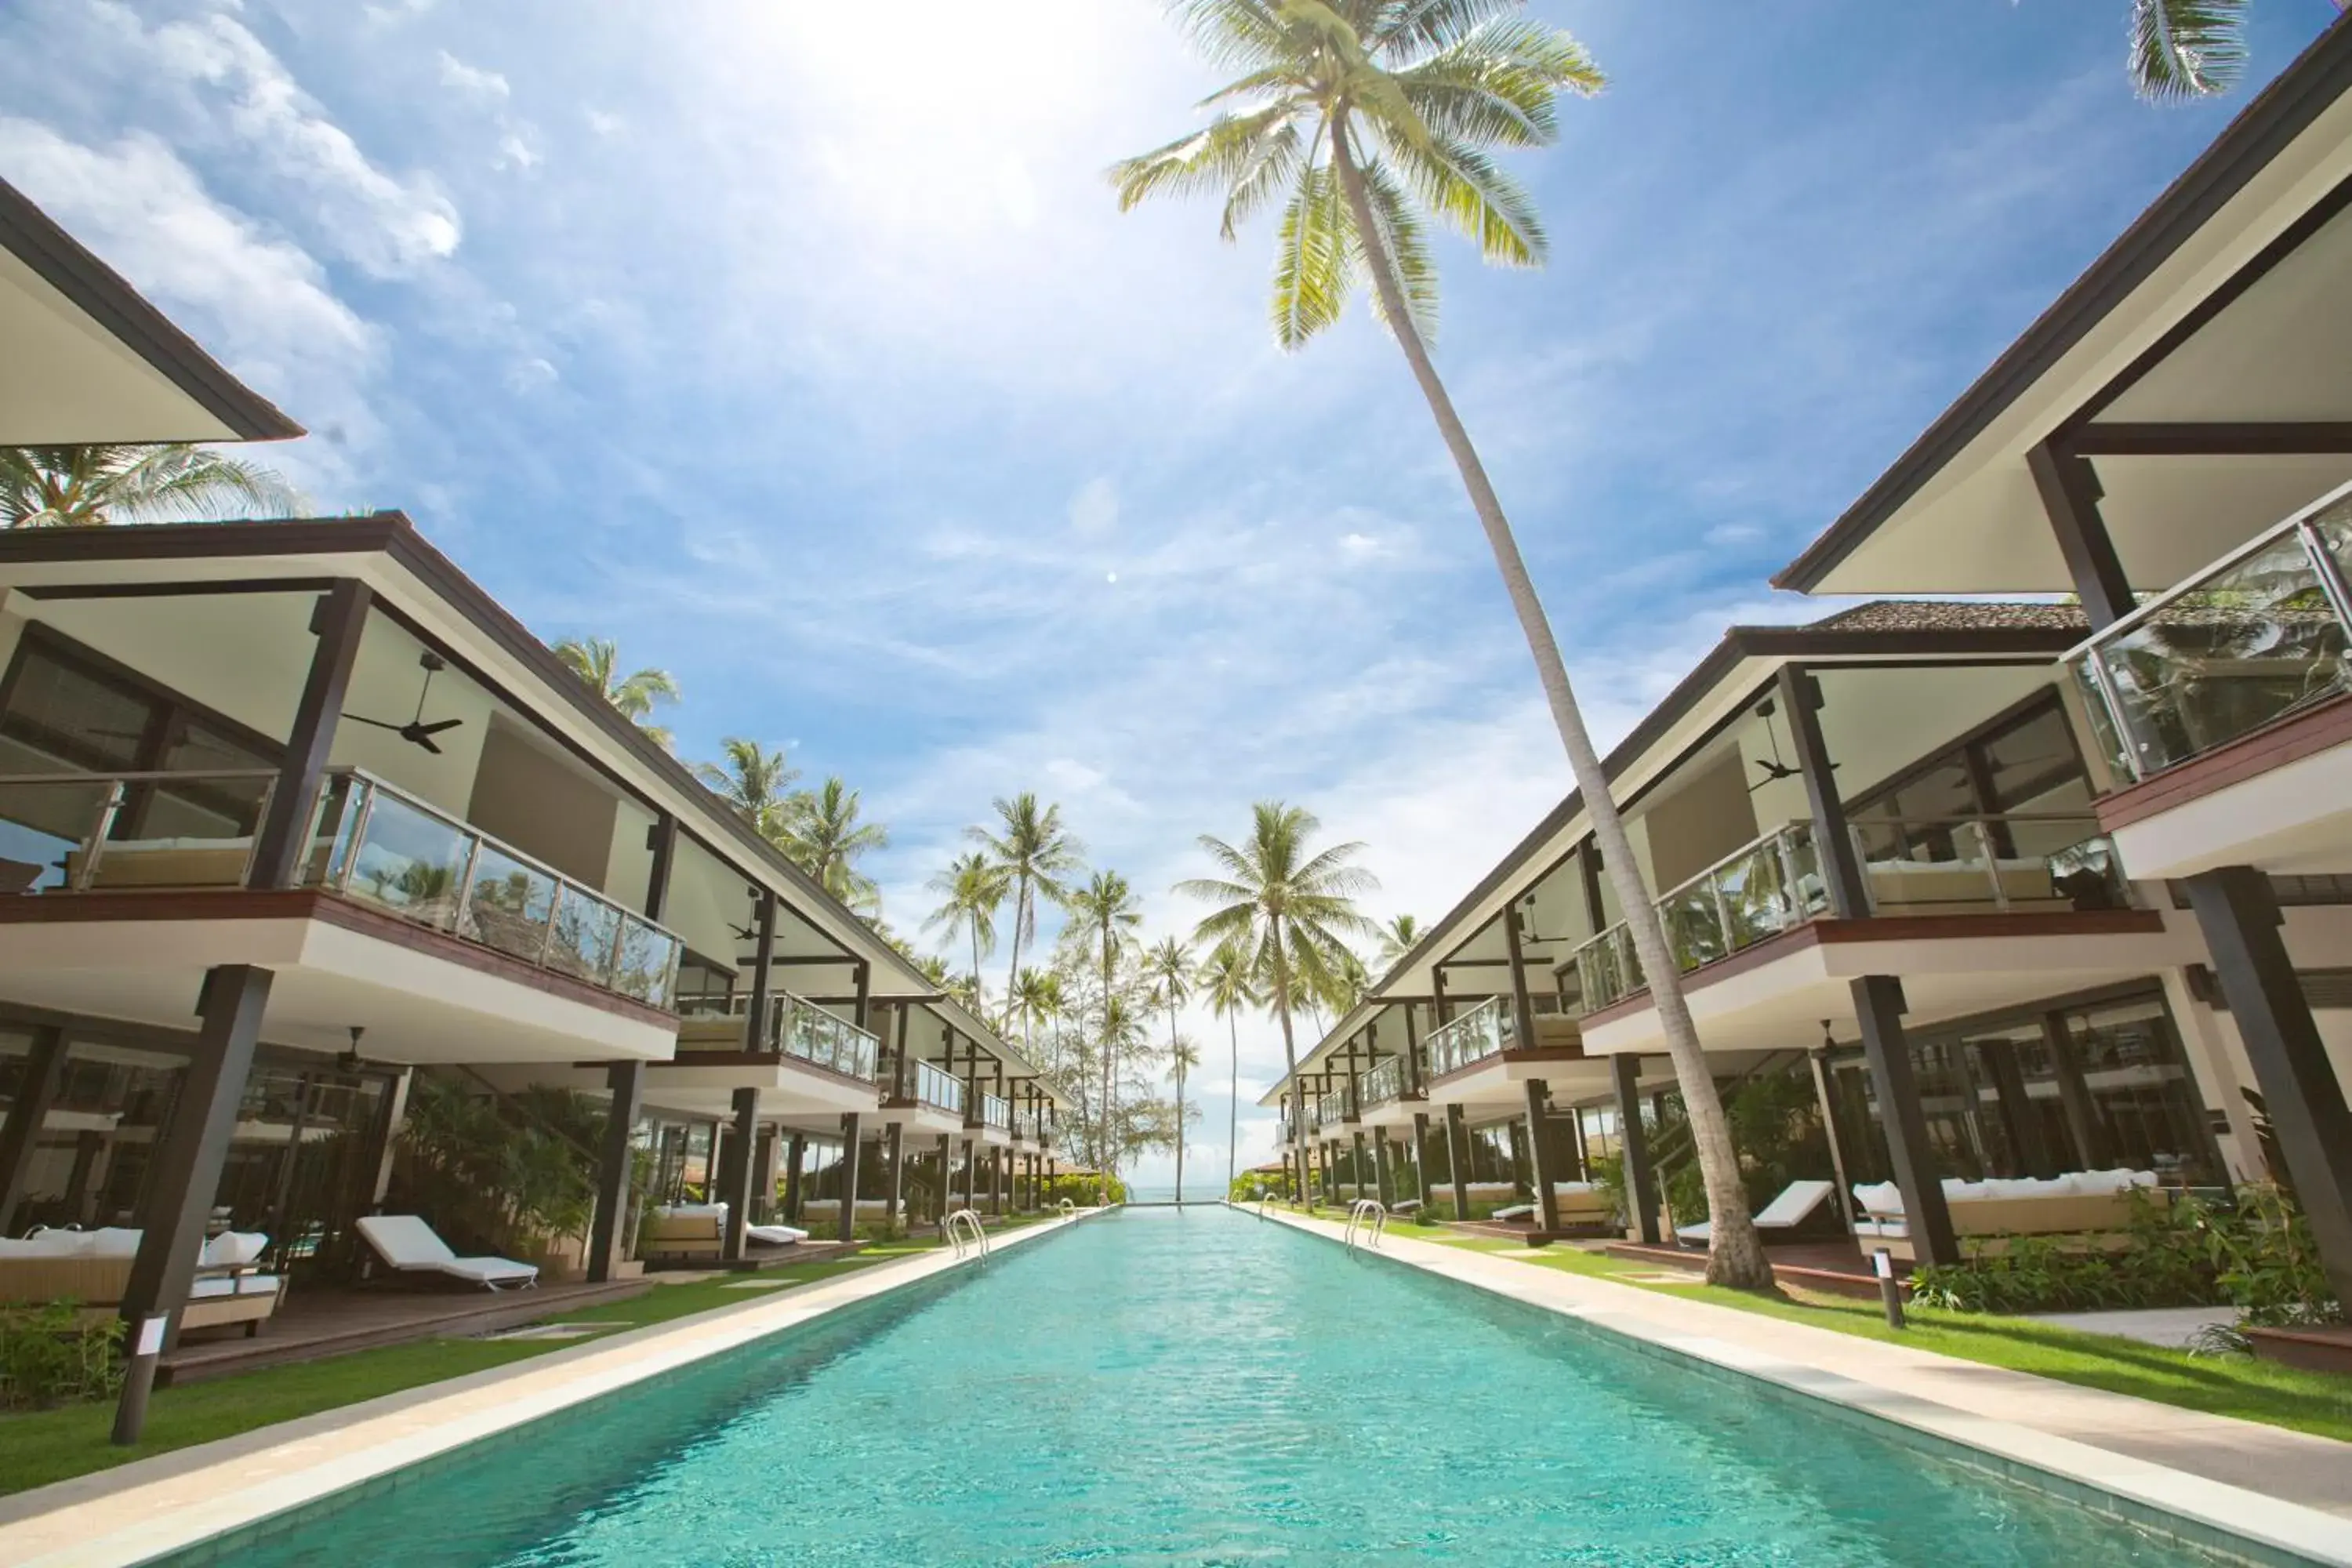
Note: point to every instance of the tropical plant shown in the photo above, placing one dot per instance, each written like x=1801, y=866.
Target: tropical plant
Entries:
x=1229, y=977
x=971, y=889
x=597, y=662
x=1037, y=995
x=1365, y=118
x=1183, y=1055
x=1399, y=935
x=821, y=836
x=90, y=487
x=1106, y=908
x=1287, y=910
x=55, y=1353
x=754, y=781
x=1037, y=853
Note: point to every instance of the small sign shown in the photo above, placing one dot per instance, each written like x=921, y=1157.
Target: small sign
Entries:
x=1882, y=1263
x=150, y=1336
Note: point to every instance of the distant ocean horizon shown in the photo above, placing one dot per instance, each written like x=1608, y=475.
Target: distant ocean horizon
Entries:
x=1165, y=1192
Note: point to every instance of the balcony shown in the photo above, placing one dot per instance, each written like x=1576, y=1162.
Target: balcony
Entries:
x=936, y=1086
x=1487, y=1030
x=995, y=1113
x=1385, y=1082
x=2256, y=638
x=2018, y=863
x=370, y=844
x=803, y=1030
x=1331, y=1110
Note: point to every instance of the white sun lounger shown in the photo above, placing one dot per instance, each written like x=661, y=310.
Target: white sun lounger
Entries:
x=1795, y=1204
x=775, y=1234
x=408, y=1245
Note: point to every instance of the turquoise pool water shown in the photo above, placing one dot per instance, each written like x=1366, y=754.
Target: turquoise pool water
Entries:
x=1146, y=1388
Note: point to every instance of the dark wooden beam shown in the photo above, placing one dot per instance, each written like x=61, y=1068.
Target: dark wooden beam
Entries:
x=284, y=837
x=2246, y=438
x=37, y=1090
x=756, y=1034
x=2070, y=494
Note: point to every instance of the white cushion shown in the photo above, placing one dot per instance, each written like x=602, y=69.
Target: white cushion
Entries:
x=232, y=1248
x=114, y=1241
x=489, y=1271
x=1570, y=1189
x=257, y=1284
x=50, y=1244
x=1885, y=1198
x=775, y=1234
x=405, y=1241
x=219, y=1285
x=692, y=1211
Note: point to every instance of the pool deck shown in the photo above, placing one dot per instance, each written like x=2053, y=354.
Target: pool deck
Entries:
x=2206, y=1474
x=172, y=1501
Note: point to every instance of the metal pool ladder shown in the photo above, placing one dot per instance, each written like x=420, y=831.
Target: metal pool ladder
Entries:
x=956, y=1224
x=1368, y=1217
x=1069, y=1209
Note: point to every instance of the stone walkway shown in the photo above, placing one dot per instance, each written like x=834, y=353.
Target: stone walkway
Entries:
x=152, y=1507
x=2207, y=1477
x=2168, y=1328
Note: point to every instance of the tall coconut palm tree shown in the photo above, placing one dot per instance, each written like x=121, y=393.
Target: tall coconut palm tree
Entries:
x=971, y=889
x=1183, y=1055
x=1367, y=119
x=1106, y=908
x=1169, y=970
x=823, y=837
x=1230, y=980
x=1038, y=853
x=1399, y=936
x=755, y=781
x=89, y=487
x=597, y=662
x=1037, y=995
x=1286, y=909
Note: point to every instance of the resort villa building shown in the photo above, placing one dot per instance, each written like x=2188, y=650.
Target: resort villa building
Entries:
x=293, y=815
x=2026, y=889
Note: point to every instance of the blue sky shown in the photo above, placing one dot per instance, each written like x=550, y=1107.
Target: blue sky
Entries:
x=803, y=349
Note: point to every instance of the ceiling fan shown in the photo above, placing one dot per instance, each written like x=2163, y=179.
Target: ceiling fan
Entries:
x=1775, y=770
x=416, y=732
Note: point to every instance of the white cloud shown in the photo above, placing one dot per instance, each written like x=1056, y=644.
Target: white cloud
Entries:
x=472, y=80
x=389, y=227
x=516, y=152
x=1094, y=510
x=604, y=124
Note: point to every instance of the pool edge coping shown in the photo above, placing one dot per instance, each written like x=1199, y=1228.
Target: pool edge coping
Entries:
x=2207, y=1514
x=120, y=1534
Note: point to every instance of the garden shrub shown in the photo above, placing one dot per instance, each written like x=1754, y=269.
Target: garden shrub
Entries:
x=49, y=1356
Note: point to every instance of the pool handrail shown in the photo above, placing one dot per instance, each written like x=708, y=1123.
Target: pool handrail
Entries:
x=1371, y=1216
x=954, y=1226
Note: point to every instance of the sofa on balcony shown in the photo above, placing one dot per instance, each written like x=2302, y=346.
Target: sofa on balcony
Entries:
x=92, y=1268
x=2095, y=1206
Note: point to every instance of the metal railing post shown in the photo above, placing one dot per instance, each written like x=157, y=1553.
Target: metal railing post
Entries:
x=108, y=810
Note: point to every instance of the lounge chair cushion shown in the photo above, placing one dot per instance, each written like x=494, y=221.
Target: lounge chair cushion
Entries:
x=775, y=1234
x=232, y=1249
x=409, y=1245
x=1515, y=1210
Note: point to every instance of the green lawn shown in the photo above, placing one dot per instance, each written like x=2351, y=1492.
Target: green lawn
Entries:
x=41, y=1447
x=2250, y=1390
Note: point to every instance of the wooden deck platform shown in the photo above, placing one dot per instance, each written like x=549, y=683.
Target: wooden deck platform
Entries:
x=755, y=1258
x=327, y=1321
x=1837, y=1266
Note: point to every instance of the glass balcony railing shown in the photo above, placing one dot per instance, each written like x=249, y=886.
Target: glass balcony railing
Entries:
x=1385, y=1082
x=377, y=846
x=1487, y=1030
x=2020, y=862
x=936, y=1086
x=996, y=1111
x=806, y=1031
x=2255, y=638
x=1331, y=1110
x=76, y=833
x=368, y=842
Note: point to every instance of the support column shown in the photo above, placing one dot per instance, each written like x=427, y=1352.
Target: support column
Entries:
x=283, y=839
x=947, y=1175
x=763, y=1173
x=795, y=1151
x=735, y=1173
x=1818, y=1058
x=970, y=1175
x=1457, y=1159
x=996, y=1180
x=608, y=1238
x=383, y=1138
x=1420, y=1157
x=1878, y=1003
x=282, y=1198
x=2301, y=1094
x=187, y=1169
x=44, y=1069
x=1356, y=1168
x=2070, y=491
x=1385, y=1189
x=1541, y=1153
x=2018, y=1117
x=850, y=1145
x=2082, y=1121
x=757, y=1036
x=895, y=1151
x=1641, y=1183
x=661, y=837
x=1523, y=1008
x=1413, y=1075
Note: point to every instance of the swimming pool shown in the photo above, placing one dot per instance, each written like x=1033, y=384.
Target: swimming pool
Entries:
x=1198, y=1386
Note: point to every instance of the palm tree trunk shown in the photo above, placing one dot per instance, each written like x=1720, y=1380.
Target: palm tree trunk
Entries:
x=1735, y=1254
x=1233, y=1100
x=1172, y=1048
x=1021, y=917
x=1107, y=1044
x=1290, y=1061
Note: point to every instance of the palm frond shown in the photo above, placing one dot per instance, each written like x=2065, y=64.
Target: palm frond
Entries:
x=2186, y=48
x=1404, y=244
x=1476, y=198
x=1501, y=86
x=1233, y=34
x=1273, y=164
x=1410, y=28
x=1210, y=159
x=1313, y=256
